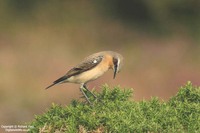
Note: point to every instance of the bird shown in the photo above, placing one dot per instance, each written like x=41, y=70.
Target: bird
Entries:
x=91, y=68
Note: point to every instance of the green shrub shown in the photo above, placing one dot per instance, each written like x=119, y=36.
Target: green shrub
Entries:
x=115, y=112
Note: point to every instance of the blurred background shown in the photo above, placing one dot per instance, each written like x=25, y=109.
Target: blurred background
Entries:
x=41, y=40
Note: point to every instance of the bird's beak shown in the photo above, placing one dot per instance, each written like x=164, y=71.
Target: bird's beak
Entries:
x=115, y=72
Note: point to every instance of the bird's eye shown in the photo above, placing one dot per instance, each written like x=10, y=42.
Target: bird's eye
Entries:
x=115, y=61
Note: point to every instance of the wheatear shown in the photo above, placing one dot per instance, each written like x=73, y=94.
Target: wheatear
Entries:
x=91, y=68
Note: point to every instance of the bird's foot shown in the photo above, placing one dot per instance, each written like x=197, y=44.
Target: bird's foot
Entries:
x=90, y=91
x=87, y=94
x=87, y=98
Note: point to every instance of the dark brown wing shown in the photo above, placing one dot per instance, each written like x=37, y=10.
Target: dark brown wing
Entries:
x=87, y=64
x=84, y=66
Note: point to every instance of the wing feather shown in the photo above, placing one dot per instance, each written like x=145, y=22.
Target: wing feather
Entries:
x=87, y=64
x=84, y=66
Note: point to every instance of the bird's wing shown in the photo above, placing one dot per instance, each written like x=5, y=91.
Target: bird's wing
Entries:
x=87, y=64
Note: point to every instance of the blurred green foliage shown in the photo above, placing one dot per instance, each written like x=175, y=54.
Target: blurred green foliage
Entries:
x=166, y=16
x=116, y=113
x=156, y=16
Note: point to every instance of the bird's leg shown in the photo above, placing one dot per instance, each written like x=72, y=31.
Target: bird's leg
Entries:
x=81, y=89
x=89, y=91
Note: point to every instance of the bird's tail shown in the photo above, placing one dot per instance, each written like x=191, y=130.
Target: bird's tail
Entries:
x=60, y=80
x=50, y=86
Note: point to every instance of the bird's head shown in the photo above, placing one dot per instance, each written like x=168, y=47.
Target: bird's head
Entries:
x=117, y=63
